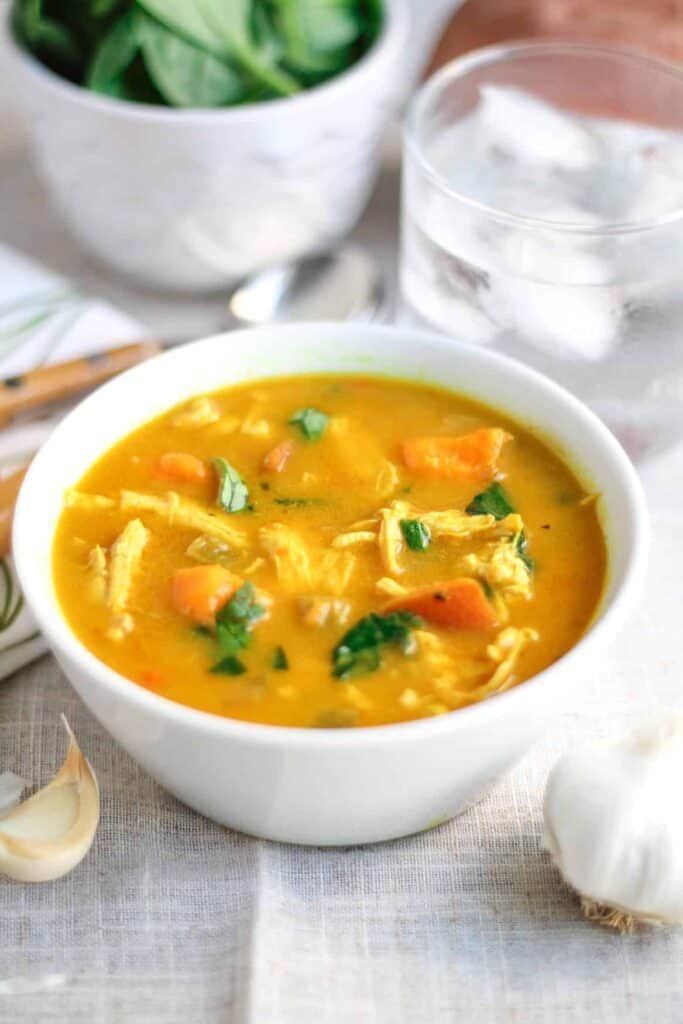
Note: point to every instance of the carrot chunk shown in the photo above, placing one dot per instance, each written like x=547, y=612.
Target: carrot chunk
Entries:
x=458, y=604
x=277, y=458
x=200, y=591
x=182, y=466
x=467, y=457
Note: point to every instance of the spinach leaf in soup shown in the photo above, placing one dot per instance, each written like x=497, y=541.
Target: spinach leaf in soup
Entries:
x=280, y=660
x=494, y=501
x=417, y=534
x=311, y=422
x=359, y=650
x=233, y=495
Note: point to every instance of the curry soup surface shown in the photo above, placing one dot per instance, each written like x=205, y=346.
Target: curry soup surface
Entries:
x=242, y=613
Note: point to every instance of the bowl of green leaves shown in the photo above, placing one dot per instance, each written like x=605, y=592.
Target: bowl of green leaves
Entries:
x=187, y=144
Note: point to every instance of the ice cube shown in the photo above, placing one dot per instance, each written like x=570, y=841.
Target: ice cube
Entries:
x=573, y=321
x=533, y=132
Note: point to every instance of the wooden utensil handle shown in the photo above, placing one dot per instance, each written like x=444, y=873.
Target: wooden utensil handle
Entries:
x=51, y=383
x=9, y=489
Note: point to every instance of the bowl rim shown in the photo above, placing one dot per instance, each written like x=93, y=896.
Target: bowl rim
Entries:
x=520, y=49
x=393, y=34
x=59, y=635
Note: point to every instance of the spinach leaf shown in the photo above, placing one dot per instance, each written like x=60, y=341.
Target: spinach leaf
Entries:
x=492, y=502
x=233, y=495
x=529, y=562
x=495, y=502
x=224, y=30
x=280, y=659
x=358, y=651
x=46, y=37
x=184, y=74
x=417, y=535
x=229, y=666
x=311, y=422
x=115, y=54
x=241, y=607
x=318, y=34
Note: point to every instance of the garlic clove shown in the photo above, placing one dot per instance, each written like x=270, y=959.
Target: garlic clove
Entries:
x=614, y=826
x=48, y=834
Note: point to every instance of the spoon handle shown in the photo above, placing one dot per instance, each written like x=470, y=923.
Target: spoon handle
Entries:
x=47, y=384
x=9, y=489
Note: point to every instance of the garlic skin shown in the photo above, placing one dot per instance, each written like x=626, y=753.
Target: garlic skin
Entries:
x=48, y=834
x=614, y=826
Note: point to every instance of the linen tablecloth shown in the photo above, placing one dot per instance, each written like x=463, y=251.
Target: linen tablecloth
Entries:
x=174, y=919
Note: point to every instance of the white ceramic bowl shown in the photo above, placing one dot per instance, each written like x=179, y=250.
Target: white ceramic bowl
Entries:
x=327, y=786
x=190, y=199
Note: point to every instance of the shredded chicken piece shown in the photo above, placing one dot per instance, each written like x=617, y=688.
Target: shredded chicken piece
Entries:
x=200, y=412
x=500, y=565
x=254, y=424
x=300, y=567
x=77, y=499
x=505, y=650
x=99, y=573
x=324, y=611
x=355, y=537
x=124, y=561
x=390, y=540
x=390, y=588
x=451, y=524
x=254, y=566
x=186, y=513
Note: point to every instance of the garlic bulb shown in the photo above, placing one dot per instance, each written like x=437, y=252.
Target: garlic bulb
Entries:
x=614, y=826
x=50, y=833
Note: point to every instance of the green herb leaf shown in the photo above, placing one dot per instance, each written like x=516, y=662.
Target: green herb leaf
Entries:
x=358, y=651
x=241, y=607
x=311, y=422
x=417, y=535
x=115, y=54
x=521, y=551
x=229, y=666
x=233, y=495
x=491, y=502
x=184, y=74
x=280, y=659
x=232, y=637
x=202, y=631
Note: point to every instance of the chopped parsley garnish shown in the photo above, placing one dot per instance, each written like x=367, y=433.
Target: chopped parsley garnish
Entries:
x=491, y=502
x=233, y=495
x=417, y=535
x=280, y=660
x=311, y=422
x=359, y=650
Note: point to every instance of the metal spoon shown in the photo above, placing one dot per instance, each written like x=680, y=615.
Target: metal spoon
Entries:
x=343, y=284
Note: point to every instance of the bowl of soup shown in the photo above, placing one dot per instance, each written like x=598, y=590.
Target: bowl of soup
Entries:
x=325, y=583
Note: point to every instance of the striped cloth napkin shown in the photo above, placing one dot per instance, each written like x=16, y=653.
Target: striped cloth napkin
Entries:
x=43, y=319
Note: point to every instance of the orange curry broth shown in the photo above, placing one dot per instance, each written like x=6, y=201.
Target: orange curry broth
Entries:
x=341, y=475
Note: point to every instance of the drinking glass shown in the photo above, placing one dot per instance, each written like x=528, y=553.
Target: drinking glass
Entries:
x=542, y=214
